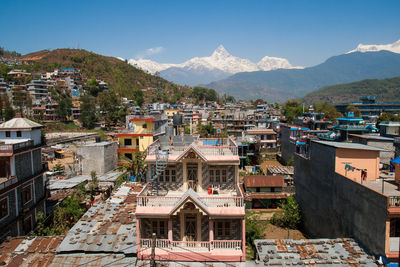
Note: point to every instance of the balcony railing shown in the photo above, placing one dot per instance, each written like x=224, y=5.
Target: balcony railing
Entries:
x=169, y=201
x=9, y=182
x=394, y=201
x=188, y=246
x=13, y=148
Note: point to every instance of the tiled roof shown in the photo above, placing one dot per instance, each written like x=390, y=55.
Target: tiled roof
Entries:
x=19, y=123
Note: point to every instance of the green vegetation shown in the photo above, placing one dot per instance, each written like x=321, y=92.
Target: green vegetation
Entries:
x=387, y=117
x=88, y=112
x=202, y=94
x=136, y=166
x=206, y=130
x=254, y=230
x=122, y=78
x=387, y=90
x=8, y=54
x=290, y=216
x=292, y=109
x=354, y=109
x=328, y=109
x=64, y=109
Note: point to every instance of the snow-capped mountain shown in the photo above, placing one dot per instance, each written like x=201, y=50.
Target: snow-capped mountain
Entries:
x=393, y=47
x=201, y=70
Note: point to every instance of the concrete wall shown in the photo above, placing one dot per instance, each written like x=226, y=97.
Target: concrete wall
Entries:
x=99, y=157
x=362, y=159
x=35, y=135
x=385, y=157
x=288, y=148
x=334, y=206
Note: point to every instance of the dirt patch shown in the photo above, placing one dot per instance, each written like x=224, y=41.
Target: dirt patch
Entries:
x=266, y=163
x=274, y=232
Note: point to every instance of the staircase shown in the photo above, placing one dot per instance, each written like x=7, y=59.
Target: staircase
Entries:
x=161, y=165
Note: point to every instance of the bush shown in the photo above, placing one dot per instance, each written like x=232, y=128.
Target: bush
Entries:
x=290, y=216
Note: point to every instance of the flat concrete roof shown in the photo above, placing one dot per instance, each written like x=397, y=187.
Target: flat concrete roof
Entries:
x=372, y=137
x=348, y=145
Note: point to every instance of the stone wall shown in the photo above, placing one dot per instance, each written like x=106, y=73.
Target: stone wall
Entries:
x=23, y=165
x=37, y=160
x=334, y=206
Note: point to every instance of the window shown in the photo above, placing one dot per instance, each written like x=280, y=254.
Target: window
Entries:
x=137, y=142
x=3, y=208
x=26, y=194
x=218, y=175
x=223, y=228
x=159, y=227
x=144, y=126
x=169, y=175
x=128, y=156
x=127, y=142
x=8, y=134
x=19, y=134
x=27, y=224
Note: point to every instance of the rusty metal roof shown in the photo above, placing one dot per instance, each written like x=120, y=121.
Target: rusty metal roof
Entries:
x=316, y=252
x=94, y=259
x=106, y=227
x=29, y=251
x=264, y=181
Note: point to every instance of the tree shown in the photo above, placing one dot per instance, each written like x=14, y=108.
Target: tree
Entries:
x=88, y=112
x=64, y=108
x=290, y=216
x=387, y=117
x=136, y=166
x=109, y=105
x=9, y=112
x=93, y=87
x=292, y=109
x=329, y=110
x=138, y=96
x=354, y=109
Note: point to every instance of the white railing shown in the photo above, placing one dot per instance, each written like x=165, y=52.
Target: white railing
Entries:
x=394, y=201
x=227, y=244
x=223, y=202
x=156, y=201
x=192, y=245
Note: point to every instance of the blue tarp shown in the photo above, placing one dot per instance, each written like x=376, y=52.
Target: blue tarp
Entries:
x=210, y=142
x=396, y=160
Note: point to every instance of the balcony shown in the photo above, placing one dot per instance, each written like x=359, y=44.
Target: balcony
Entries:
x=15, y=148
x=193, y=246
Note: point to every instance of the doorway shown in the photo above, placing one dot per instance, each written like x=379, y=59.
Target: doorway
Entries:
x=192, y=175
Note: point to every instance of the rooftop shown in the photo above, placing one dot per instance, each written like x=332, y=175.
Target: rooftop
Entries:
x=316, y=252
x=282, y=170
x=372, y=137
x=19, y=124
x=263, y=181
x=348, y=145
x=104, y=179
x=107, y=227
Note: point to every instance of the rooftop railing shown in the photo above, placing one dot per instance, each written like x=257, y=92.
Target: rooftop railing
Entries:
x=13, y=148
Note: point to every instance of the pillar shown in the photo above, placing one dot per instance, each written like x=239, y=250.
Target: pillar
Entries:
x=182, y=221
x=211, y=232
x=184, y=173
x=244, y=238
x=170, y=229
x=199, y=177
x=198, y=226
x=138, y=235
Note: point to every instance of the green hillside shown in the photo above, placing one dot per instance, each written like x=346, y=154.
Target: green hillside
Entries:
x=386, y=90
x=121, y=76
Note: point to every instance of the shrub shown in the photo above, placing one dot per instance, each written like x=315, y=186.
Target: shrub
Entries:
x=290, y=216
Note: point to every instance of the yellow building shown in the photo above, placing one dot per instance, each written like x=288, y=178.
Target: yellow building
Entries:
x=137, y=137
x=170, y=113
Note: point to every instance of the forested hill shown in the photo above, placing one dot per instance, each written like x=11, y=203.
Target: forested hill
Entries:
x=121, y=76
x=385, y=90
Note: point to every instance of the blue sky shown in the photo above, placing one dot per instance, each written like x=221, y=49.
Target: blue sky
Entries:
x=304, y=32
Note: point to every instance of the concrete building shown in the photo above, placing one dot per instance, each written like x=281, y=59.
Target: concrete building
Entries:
x=99, y=157
x=266, y=137
x=22, y=184
x=390, y=128
x=293, y=140
x=342, y=193
x=192, y=202
x=385, y=143
x=37, y=89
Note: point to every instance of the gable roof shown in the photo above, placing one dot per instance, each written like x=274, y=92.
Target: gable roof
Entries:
x=19, y=124
x=192, y=196
x=191, y=148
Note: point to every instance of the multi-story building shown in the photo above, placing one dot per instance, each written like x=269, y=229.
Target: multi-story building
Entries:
x=313, y=121
x=19, y=95
x=139, y=134
x=37, y=89
x=192, y=202
x=341, y=192
x=22, y=184
x=3, y=86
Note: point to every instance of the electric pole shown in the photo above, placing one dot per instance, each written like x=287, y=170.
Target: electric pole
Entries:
x=153, y=251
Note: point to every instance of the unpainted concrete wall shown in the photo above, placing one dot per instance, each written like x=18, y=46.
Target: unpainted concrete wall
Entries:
x=334, y=206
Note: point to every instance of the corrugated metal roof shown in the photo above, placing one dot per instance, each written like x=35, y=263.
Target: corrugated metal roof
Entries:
x=264, y=181
x=74, y=181
x=317, y=252
x=29, y=251
x=283, y=170
x=98, y=259
x=106, y=227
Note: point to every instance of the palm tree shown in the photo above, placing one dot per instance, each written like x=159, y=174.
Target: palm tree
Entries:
x=135, y=166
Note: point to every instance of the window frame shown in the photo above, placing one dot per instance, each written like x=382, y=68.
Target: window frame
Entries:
x=218, y=175
x=159, y=231
x=8, y=134
x=223, y=228
x=8, y=207
x=168, y=176
x=19, y=133
x=127, y=140
x=22, y=194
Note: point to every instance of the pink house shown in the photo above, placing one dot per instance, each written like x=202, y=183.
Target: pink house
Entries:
x=192, y=202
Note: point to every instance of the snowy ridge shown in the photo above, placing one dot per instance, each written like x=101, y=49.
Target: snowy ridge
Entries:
x=393, y=47
x=219, y=60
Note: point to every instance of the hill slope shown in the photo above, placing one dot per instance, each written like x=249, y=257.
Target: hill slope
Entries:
x=282, y=84
x=386, y=90
x=121, y=76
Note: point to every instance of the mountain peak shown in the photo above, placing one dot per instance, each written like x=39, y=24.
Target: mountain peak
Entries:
x=221, y=51
x=393, y=47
